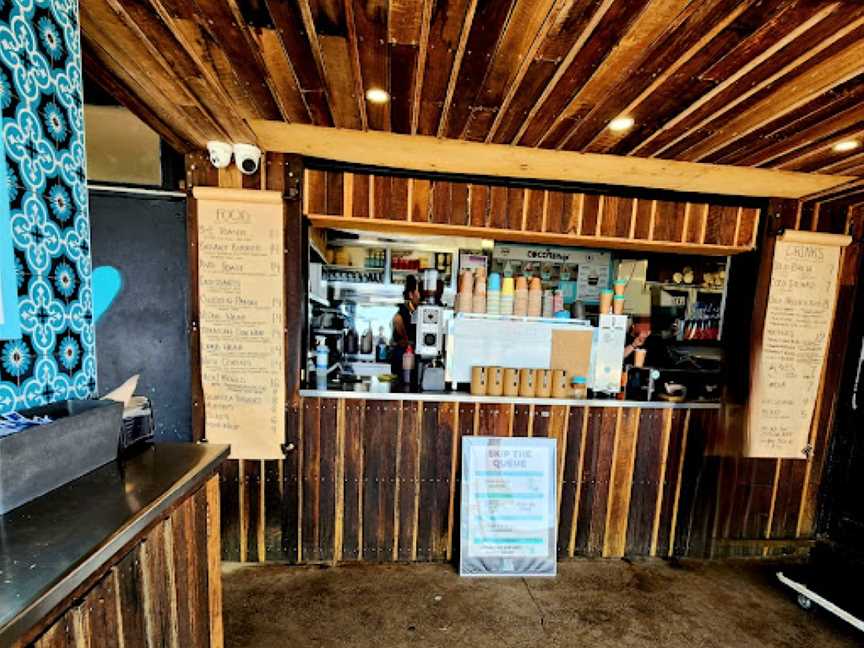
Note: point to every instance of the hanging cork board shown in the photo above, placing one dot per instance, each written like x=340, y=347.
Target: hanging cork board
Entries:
x=789, y=363
x=241, y=278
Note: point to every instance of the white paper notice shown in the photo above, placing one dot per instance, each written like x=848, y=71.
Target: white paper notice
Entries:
x=508, y=507
x=797, y=325
x=240, y=272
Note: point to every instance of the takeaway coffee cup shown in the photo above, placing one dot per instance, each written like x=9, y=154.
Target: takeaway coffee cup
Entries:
x=478, y=381
x=542, y=383
x=527, y=387
x=494, y=381
x=511, y=382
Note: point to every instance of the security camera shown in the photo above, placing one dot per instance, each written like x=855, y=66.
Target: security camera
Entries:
x=247, y=157
x=220, y=154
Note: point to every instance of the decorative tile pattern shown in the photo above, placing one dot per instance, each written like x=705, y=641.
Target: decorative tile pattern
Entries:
x=43, y=132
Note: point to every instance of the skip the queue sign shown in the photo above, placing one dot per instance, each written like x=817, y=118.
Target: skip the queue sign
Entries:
x=508, y=507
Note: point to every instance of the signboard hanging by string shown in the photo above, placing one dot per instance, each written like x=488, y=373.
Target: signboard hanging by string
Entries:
x=509, y=525
x=788, y=365
x=241, y=283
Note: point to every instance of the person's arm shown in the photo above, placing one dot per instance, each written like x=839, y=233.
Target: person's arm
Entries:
x=400, y=333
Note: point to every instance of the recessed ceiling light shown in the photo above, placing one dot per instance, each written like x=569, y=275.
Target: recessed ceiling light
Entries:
x=621, y=124
x=846, y=145
x=377, y=95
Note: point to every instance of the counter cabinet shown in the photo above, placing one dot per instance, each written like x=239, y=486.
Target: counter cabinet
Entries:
x=378, y=479
x=127, y=555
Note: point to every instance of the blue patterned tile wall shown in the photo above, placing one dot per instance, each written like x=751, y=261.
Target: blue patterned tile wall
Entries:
x=43, y=134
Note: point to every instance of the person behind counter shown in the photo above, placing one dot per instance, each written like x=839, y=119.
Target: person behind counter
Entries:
x=640, y=337
x=404, y=328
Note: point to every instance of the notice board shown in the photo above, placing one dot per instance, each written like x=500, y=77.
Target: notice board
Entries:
x=509, y=521
x=788, y=366
x=241, y=279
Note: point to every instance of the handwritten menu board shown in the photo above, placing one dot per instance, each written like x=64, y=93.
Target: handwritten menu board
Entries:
x=240, y=277
x=795, y=339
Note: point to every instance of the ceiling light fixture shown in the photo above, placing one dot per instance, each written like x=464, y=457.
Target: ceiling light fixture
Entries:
x=377, y=95
x=846, y=145
x=621, y=124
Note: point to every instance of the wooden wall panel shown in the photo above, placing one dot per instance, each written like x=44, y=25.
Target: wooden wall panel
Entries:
x=381, y=482
x=162, y=591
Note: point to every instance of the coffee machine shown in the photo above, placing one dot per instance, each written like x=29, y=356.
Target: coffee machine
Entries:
x=430, y=347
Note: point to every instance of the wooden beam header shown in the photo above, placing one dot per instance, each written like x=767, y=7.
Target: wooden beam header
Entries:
x=436, y=155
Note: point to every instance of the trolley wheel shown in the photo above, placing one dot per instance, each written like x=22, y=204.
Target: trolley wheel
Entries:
x=805, y=602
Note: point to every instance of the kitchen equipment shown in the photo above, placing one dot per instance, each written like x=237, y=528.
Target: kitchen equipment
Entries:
x=432, y=375
x=608, y=351
x=641, y=382
x=430, y=331
x=366, y=342
x=350, y=344
x=429, y=286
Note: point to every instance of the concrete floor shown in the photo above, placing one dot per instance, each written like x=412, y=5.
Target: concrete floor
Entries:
x=596, y=603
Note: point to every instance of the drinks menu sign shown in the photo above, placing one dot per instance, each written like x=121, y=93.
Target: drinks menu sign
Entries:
x=240, y=278
x=798, y=321
x=508, y=507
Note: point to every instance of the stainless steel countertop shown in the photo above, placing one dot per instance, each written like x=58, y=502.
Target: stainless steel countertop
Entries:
x=461, y=397
x=50, y=546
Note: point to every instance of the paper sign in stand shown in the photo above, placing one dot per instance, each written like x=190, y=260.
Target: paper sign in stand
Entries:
x=509, y=521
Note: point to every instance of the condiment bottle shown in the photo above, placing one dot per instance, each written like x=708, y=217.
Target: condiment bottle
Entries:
x=407, y=365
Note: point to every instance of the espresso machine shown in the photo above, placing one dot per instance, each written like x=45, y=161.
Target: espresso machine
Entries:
x=430, y=334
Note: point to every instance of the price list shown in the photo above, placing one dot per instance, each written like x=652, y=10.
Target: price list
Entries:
x=240, y=269
x=797, y=324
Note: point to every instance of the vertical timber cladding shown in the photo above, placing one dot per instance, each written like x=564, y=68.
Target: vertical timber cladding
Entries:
x=165, y=591
x=554, y=216
x=682, y=500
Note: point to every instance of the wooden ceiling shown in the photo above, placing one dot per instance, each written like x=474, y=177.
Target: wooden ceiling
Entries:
x=768, y=83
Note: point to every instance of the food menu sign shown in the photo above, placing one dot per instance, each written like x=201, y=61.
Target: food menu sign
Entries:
x=241, y=279
x=798, y=321
x=508, y=507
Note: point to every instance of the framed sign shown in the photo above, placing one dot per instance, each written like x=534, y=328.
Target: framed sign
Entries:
x=509, y=521
x=10, y=323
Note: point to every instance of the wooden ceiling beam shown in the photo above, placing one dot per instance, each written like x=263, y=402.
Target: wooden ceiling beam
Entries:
x=209, y=59
x=419, y=71
x=779, y=98
x=584, y=34
x=619, y=71
x=436, y=155
x=799, y=138
x=142, y=75
x=457, y=67
x=113, y=86
x=289, y=24
x=162, y=45
x=516, y=45
x=526, y=61
x=650, y=140
x=224, y=22
x=370, y=22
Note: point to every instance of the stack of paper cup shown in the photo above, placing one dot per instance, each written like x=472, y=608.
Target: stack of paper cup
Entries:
x=493, y=294
x=548, y=305
x=465, y=296
x=535, y=298
x=520, y=297
x=507, y=296
x=478, y=303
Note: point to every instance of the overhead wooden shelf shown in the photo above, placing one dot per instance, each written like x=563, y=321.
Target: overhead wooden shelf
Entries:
x=419, y=206
x=434, y=155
